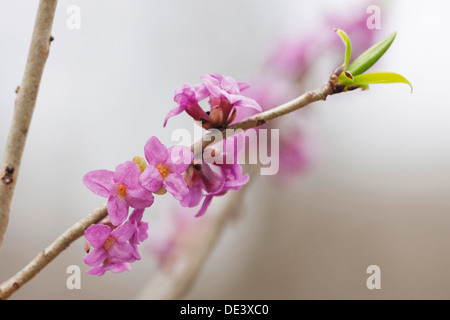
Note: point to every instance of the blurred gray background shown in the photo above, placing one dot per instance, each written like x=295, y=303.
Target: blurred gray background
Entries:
x=378, y=194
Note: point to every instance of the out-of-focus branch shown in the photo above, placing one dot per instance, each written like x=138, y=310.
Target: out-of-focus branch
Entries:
x=52, y=251
x=23, y=108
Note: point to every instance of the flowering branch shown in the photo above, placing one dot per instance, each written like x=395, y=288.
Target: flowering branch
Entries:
x=133, y=183
x=46, y=256
x=23, y=108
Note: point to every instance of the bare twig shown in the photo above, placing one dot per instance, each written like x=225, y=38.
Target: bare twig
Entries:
x=8, y=287
x=52, y=251
x=23, y=108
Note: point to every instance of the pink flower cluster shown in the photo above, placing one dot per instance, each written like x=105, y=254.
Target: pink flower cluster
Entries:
x=115, y=245
x=210, y=179
x=224, y=95
x=134, y=183
x=206, y=180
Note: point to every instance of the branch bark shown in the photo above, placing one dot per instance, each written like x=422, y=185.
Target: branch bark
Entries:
x=72, y=234
x=23, y=108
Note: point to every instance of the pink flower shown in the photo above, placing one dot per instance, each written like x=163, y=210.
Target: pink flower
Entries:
x=187, y=97
x=115, y=265
x=121, y=187
x=165, y=168
x=200, y=177
x=224, y=98
x=203, y=181
x=112, y=245
x=232, y=177
x=140, y=231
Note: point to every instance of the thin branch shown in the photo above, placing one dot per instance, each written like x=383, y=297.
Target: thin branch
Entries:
x=23, y=108
x=261, y=118
x=11, y=285
x=52, y=251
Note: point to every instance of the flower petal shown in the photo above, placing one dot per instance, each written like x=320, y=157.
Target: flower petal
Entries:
x=237, y=183
x=139, y=198
x=180, y=157
x=212, y=86
x=120, y=267
x=230, y=85
x=245, y=102
x=117, y=210
x=136, y=253
x=211, y=180
x=136, y=215
x=143, y=231
x=97, y=234
x=151, y=179
x=124, y=232
x=155, y=151
x=99, y=182
x=193, y=198
x=97, y=271
x=175, y=111
x=95, y=257
x=205, y=206
x=128, y=174
x=175, y=184
x=121, y=250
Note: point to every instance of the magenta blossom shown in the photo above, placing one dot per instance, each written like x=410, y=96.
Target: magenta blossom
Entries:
x=140, y=231
x=115, y=265
x=224, y=98
x=121, y=187
x=165, y=168
x=109, y=244
x=200, y=178
x=232, y=176
x=216, y=179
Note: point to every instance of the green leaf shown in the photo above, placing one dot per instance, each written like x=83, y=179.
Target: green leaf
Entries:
x=370, y=56
x=348, y=46
x=379, y=77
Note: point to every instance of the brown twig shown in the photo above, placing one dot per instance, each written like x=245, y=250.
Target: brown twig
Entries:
x=23, y=108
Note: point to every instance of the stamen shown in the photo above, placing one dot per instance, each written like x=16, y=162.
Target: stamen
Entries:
x=122, y=190
x=163, y=170
x=108, y=243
